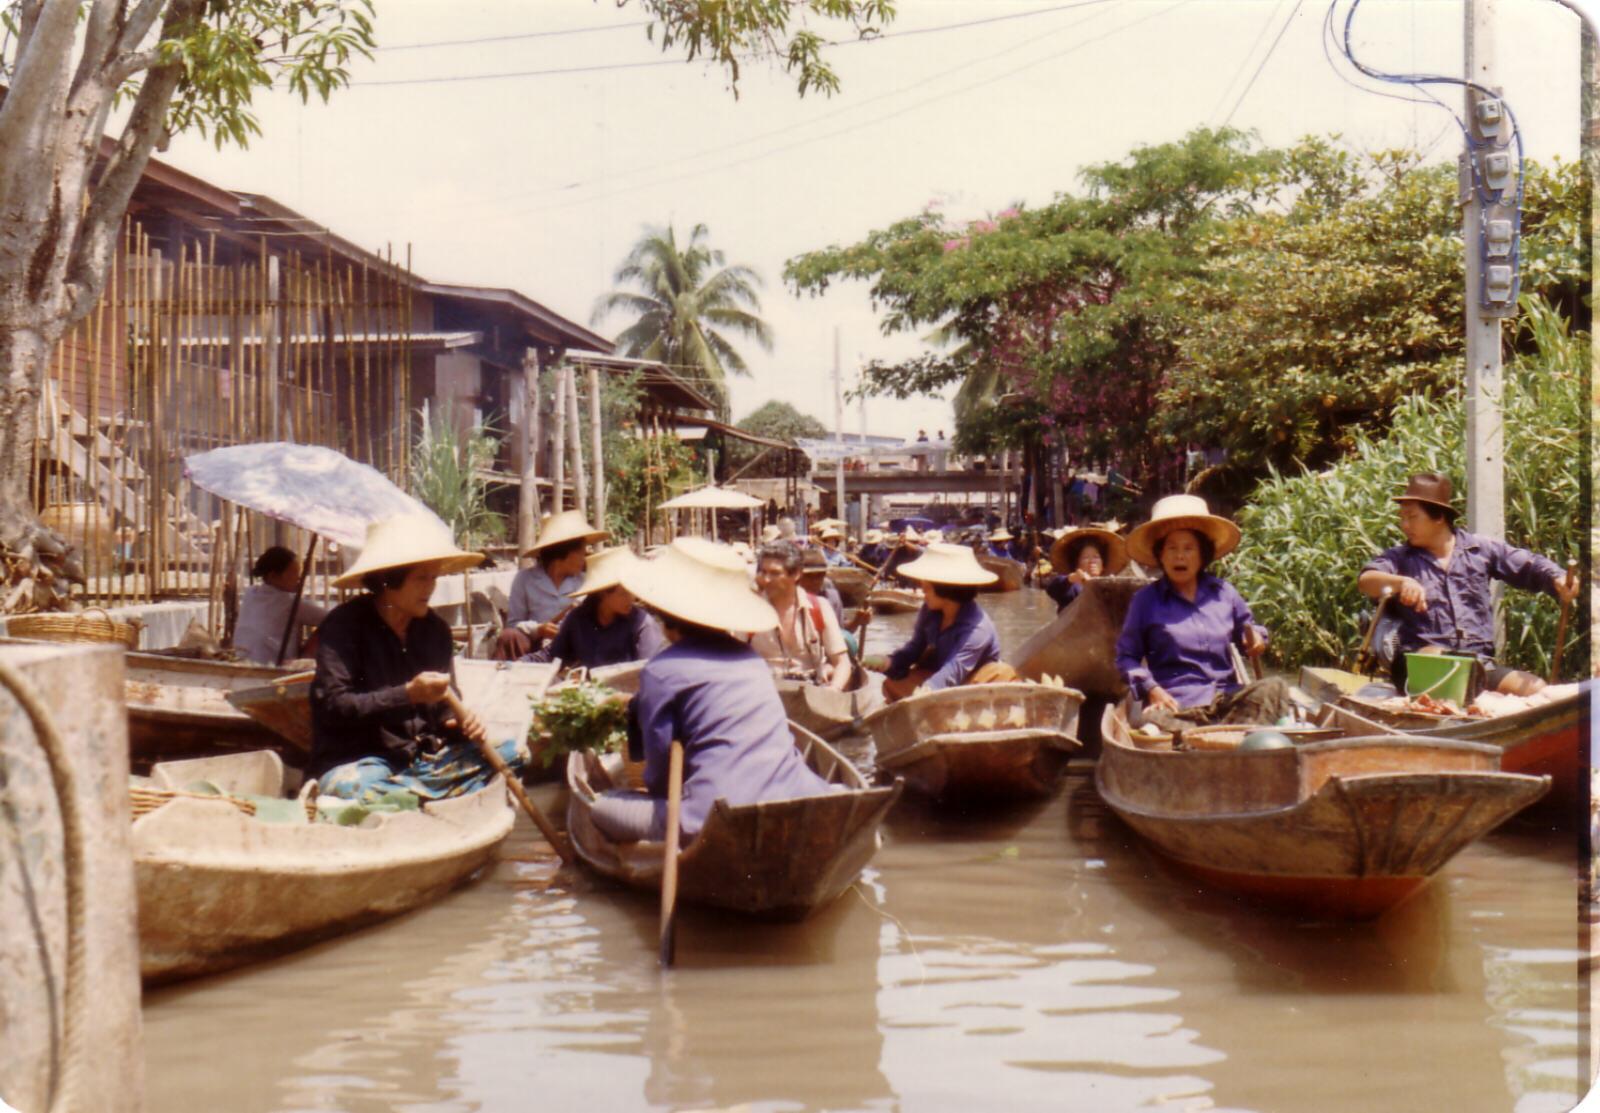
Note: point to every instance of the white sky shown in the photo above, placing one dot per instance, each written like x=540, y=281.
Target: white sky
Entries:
x=542, y=183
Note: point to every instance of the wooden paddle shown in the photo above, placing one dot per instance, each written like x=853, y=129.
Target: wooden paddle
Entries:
x=853, y=559
x=497, y=763
x=669, y=865
x=1364, y=654
x=1561, y=624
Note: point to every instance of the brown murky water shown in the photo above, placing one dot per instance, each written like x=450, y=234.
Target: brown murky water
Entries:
x=1038, y=958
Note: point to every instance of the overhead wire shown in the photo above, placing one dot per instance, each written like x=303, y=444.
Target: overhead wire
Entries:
x=1264, y=60
x=1243, y=62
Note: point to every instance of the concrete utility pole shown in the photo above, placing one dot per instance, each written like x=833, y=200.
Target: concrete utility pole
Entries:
x=1489, y=233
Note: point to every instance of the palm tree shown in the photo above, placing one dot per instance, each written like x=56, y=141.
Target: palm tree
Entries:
x=684, y=301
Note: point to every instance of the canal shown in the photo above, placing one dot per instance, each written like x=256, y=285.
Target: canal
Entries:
x=1036, y=958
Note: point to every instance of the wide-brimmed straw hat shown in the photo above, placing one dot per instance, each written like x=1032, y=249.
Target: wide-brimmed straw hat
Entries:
x=407, y=539
x=827, y=523
x=605, y=569
x=1431, y=488
x=569, y=525
x=1112, y=547
x=1001, y=534
x=1181, y=512
x=702, y=582
x=830, y=533
x=948, y=564
x=769, y=534
x=872, y=537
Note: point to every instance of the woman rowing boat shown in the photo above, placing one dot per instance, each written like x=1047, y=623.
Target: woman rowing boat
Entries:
x=952, y=641
x=1079, y=555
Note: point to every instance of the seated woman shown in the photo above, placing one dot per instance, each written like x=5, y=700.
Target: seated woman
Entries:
x=953, y=641
x=1174, y=649
x=605, y=628
x=1079, y=555
x=708, y=690
x=379, y=717
x=264, y=609
x=807, y=642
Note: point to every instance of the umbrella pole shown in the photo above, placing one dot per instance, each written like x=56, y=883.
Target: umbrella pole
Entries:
x=299, y=590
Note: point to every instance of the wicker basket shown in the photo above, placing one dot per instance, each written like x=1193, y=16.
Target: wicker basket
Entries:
x=93, y=625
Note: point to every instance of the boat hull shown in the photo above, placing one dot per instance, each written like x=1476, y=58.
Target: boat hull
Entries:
x=218, y=889
x=1345, y=828
x=825, y=712
x=781, y=860
x=982, y=740
x=1010, y=572
x=178, y=707
x=852, y=584
x=1079, y=644
x=895, y=600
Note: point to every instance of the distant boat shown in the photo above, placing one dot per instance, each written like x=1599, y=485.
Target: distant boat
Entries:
x=826, y=712
x=895, y=600
x=1080, y=644
x=852, y=584
x=218, y=887
x=987, y=740
x=781, y=859
x=1011, y=572
x=1346, y=827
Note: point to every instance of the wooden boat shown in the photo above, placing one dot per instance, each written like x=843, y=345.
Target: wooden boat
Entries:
x=781, y=859
x=994, y=740
x=895, y=600
x=1011, y=572
x=499, y=691
x=852, y=584
x=1079, y=645
x=1347, y=827
x=1546, y=740
x=179, y=707
x=219, y=888
x=825, y=712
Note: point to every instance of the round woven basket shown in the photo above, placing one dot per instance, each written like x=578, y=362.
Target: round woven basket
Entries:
x=93, y=625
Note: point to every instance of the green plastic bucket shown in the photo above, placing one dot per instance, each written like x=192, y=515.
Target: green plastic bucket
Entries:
x=1438, y=675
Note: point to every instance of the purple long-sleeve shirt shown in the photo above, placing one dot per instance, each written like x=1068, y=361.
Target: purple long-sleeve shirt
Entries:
x=1459, y=596
x=954, y=653
x=1171, y=643
x=719, y=700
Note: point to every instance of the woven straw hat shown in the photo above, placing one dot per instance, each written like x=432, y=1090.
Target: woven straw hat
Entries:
x=872, y=537
x=1001, y=534
x=702, y=582
x=830, y=533
x=769, y=534
x=1181, y=512
x=605, y=569
x=1112, y=547
x=407, y=539
x=948, y=564
x=568, y=525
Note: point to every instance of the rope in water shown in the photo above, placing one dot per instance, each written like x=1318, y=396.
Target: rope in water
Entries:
x=68, y=1046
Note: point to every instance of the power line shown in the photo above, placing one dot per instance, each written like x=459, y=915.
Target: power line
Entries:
x=1266, y=58
x=517, y=37
x=1245, y=61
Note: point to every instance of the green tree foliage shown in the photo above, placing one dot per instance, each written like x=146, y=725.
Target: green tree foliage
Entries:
x=684, y=300
x=1059, y=322
x=779, y=421
x=1307, y=535
x=1312, y=319
x=643, y=474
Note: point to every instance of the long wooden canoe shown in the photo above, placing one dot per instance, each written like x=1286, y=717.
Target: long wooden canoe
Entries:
x=499, y=691
x=218, y=888
x=1546, y=740
x=1011, y=572
x=1079, y=645
x=781, y=859
x=178, y=707
x=852, y=584
x=981, y=740
x=1347, y=827
x=825, y=712
x=895, y=600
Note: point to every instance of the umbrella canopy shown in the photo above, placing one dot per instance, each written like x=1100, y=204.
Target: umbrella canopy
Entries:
x=318, y=489
x=712, y=498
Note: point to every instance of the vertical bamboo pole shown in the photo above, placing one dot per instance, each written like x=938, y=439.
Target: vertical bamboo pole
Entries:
x=558, y=454
x=595, y=443
x=532, y=427
x=580, y=491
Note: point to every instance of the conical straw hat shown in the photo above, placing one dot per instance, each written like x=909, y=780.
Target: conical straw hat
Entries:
x=604, y=570
x=948, y=564
x=702, y=582
x=1181, y=512
x=1001, y=534
x=1112, y=547
x=407, y=539
x=569, y=525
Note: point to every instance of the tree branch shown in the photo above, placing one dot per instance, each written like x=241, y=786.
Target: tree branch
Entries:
x=43, y=52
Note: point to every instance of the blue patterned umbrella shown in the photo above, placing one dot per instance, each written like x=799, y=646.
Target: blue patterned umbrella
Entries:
x=318, y=489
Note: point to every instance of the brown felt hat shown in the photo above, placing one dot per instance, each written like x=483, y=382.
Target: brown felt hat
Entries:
x=1429, y=487
x=1065, y=549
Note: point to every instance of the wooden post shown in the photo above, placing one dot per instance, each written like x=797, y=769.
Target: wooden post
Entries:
x=528, y=511
x=558, y=448
x=580, y=492
x=595, y=449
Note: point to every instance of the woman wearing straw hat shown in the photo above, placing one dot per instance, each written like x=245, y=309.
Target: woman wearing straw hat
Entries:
x=542, y=592
x=1174, y=651
x=1079, y=555
x=807, y=639
x=952, y=641
x=907, y=548
x=379, y=718
x=708, y=690
x=605, y=628
x=999, y=543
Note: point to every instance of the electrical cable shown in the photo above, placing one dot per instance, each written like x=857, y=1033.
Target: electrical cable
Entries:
x=1265, y=59
x=1243, y=62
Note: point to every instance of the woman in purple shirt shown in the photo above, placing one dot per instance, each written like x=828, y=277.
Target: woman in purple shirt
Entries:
x=1174, y=650
x=952, y=638
x=708, y=690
